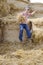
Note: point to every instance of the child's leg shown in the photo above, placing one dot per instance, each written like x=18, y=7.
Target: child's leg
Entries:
x=28, y=31
x=21, y=32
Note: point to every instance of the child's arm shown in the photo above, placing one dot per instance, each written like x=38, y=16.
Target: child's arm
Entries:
x=30, y=14
x=33, y=12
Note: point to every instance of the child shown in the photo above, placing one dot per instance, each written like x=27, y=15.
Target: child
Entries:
x=24, y=24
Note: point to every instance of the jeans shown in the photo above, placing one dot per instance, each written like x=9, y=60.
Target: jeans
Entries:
x=26, y=27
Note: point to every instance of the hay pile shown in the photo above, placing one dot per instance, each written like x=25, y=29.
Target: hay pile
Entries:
x=4, y=8
x=37, y=29
x=21, y=57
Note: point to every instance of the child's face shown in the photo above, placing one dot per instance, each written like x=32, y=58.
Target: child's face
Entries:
x=28, y=11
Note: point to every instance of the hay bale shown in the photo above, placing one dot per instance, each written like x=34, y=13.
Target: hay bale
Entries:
x=37, y=21
x=4, y=8
x=37, y=34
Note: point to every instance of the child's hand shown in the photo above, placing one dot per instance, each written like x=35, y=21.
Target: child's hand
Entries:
x=35, y=11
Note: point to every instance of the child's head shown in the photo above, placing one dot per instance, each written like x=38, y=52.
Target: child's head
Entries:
x=30, y=25
x=28, y=9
